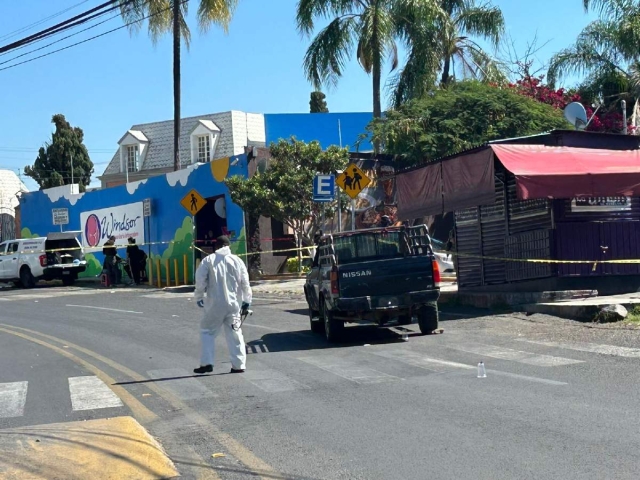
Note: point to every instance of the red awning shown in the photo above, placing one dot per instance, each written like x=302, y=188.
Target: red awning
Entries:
x=566, y=172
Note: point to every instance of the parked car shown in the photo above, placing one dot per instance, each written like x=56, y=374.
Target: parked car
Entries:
x=58, y=256
x=379, y=276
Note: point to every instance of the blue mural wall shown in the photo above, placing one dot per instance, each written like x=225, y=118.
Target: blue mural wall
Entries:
x=322, y=127
x=169, y=232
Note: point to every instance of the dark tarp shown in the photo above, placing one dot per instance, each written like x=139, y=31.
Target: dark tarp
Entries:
x=566, y=172
x=453, y=184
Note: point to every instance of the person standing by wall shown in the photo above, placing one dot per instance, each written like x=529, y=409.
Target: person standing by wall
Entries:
x=225, y=280
x=110, y=253
x=134, y=256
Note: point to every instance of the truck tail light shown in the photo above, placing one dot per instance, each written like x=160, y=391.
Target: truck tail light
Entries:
x=43, y=260
x=436, y=273
x=335, y=289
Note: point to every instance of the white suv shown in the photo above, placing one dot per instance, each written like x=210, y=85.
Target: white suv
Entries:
x=58, y=256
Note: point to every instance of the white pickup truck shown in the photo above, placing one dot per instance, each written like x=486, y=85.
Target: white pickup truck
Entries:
x=58, y=256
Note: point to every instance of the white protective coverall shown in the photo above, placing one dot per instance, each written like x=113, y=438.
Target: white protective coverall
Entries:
x=224, y=278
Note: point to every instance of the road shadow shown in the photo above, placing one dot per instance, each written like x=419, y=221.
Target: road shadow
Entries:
x=447, y=313
x=354, y=336
x=165, y=379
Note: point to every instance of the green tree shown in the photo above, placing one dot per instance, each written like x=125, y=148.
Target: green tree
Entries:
x=284, y=191
x=64, y=160
x=317, y=103
x=435, y=43
x=164, y=16
x=606, y=54
x=465, y=115
x=366, y=26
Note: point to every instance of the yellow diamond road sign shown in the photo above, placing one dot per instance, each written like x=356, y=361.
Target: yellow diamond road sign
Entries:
x=353, y=180
x=193, y=202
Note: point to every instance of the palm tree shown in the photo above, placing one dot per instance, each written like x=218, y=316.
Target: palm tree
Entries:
x=366, y=26
x=606, y=53
x=435, y=44
x=165, y=16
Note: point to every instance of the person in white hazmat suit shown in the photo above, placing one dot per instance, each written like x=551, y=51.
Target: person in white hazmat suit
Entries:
x=224, y=278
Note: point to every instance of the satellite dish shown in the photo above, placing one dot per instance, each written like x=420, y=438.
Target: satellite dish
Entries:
x=576, y=115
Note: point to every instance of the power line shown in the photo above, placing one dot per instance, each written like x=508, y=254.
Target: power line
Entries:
x=60, y=26
x=40, y=22
x=87, y=40
x=101, y=14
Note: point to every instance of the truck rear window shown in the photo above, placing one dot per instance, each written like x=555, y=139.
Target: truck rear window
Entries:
x=367, y=246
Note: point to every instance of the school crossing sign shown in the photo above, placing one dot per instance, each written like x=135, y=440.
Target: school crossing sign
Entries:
x=353, y=180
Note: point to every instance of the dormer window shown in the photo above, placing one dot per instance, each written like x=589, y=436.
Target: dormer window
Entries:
x=132, y=157
x=133, y=150
x=204, y=139
x=204, y=148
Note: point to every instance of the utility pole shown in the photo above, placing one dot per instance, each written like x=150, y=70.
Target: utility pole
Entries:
x=177, y=38
x=72, y=171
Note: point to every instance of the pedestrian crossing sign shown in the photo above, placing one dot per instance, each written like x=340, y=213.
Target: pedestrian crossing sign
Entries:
x=193, y=202
x=353, y=180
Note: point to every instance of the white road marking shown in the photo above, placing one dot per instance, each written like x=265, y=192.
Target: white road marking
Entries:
x=103, y=308
x=182, y=383
x=348, y=370
x=503, y=353
x=90, y=393
x=272, y=381
x=421, y=361
x=13, y=396
x=591, y=348
x=443, y=366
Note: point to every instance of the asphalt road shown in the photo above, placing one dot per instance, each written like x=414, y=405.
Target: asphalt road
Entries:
x=560, y=400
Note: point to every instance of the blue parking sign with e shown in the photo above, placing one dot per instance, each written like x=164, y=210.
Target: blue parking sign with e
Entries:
x=324, y=188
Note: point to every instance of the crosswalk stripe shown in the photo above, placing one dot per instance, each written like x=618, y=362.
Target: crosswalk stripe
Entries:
x=13, y=396
x=503, y=353
x=90, y=393
x=348, y=370
x=444, y=366
x=181, y=383
x=272, y=381
x=591, y=348
x=421, y=361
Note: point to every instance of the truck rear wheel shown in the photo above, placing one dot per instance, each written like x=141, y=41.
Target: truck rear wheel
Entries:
x=428, y=318
x=27, y=279
x=333, y=329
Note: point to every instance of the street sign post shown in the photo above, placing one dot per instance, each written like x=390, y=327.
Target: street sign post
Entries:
x=193, y=202
x=353, y=180
x=60, y=216
x=146, y=207
x=324, y=188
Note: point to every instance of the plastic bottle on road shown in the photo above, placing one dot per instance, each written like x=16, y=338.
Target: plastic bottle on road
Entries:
x=481, y=371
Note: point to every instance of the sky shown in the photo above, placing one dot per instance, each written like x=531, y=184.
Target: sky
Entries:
x=106, y=85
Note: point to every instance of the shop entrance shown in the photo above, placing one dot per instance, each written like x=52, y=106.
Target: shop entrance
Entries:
x=210, y=223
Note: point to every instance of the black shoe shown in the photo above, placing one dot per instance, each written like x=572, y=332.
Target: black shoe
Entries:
x=205, y=369
x=239, y=370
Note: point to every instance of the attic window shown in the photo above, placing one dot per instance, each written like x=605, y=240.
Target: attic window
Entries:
x=132, y=158
x=204, y=148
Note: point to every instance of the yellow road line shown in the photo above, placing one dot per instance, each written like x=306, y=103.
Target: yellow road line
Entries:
x=235, y=448
x=138, y=409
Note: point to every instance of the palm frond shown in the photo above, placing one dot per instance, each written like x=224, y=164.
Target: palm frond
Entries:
x=485, y=21
x=329, y=51
x=609, y=9
x=216, y=12
x=596, y=49
x=308, y=10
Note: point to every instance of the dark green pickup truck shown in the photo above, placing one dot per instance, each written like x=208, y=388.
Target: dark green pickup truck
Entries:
x=384, y=276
